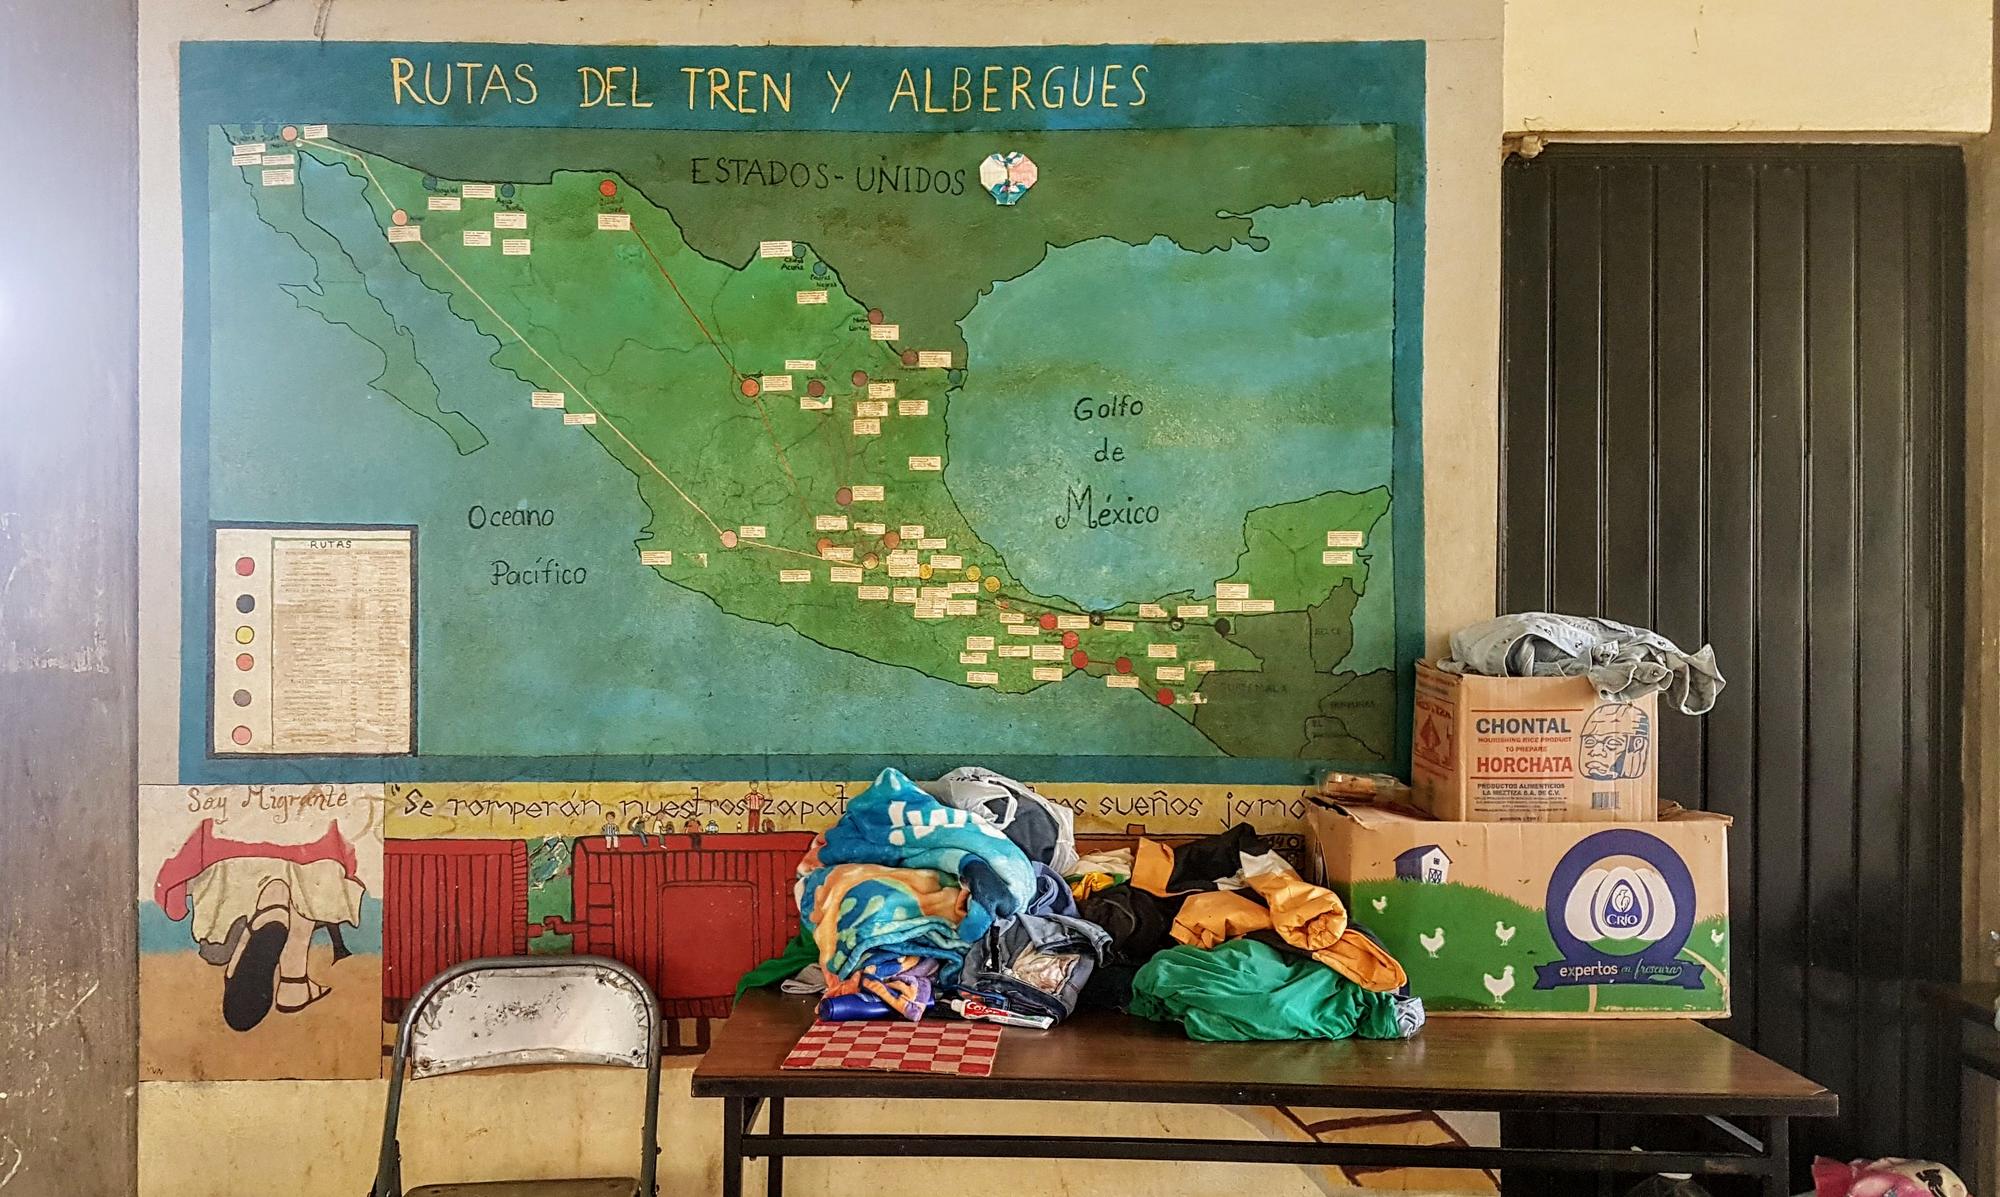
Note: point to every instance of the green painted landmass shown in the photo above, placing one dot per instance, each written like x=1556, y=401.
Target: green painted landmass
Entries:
x=921, y=255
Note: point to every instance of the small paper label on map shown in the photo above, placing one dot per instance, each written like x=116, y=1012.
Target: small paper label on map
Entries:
x=810, y=297
x=774, y=249
x=442, y=203
x=510, y=220
x=402, y=233
x=927, y=464
x=1152, y=611
x=1163, y=650
x=1229, y=606
x=477, y=238
x=254, y=149
x=1192, y=611
x=279, y=159
x=924, y=610
x=1072, y=622
x=846, y=573
x=905, y=594
x=867, y=494
x=795, y=575
x=979, y=644
x=829, y=523
x=928, y=543
x=947, y=561
x=961, y=607
x=1171, y=673
x=874, y=594
x=934, y=594
x=315, y=132
x=871, y=407
x=904, y=569
x=881, y=390
x=913, y=407
x=283, y=177
x=980, y=677
x=476, y=190
x=752, y=532
x=1345, y=540
x=1259, y=606
x=614, y=222
x=808, y=403
x=972, y=658
x=516, y=247
x=1117, y=625
x=869, y=427
x=1023, y=629
x=1012, y=617
x=579, y=417
x=1198, y=699
x=1337, y=557
x=870, y=529
x=656, y=556
x=1202, y=666
x=934, y=359
x=884, y=332
x=777, y=384
x=838, y=552
x=1232, y=590
x=1048, y=673
x=1047, y=652
x=910, y=531
x=1015, y=650
x=545, y=399
x=1121, y=681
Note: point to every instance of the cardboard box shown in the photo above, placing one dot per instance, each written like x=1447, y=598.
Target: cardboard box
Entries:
x=1531, y=750
x=1549, y=919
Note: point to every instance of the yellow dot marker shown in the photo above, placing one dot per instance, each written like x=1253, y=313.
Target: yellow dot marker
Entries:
x=870, y=561
x=992, y=584
x=972, y=573
x=924, y=570
x=244, y=635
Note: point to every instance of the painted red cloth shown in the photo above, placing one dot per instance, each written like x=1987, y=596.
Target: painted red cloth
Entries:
x=204, y=848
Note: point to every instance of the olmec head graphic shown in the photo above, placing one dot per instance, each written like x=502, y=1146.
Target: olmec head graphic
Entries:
x=1614, y=742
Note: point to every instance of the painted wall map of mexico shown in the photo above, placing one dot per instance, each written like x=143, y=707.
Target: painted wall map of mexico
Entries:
x=664, y=412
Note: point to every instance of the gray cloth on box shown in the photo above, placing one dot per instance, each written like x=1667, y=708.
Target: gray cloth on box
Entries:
x=1044, y=831
x=1624, y=662
x=1035, y=964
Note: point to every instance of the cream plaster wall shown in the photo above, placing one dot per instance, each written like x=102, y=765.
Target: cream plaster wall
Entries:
x=1749, y=66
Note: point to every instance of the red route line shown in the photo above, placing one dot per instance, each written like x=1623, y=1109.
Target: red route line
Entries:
x=717, y=345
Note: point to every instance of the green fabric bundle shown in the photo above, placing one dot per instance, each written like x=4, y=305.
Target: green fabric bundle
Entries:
x=1244, y=990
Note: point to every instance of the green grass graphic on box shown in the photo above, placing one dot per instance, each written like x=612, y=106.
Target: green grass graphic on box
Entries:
x=1408, y=915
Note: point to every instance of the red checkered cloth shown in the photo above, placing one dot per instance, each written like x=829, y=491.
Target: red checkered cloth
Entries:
x=961, y=1048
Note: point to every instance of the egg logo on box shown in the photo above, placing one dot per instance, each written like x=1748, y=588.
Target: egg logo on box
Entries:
x=1627, y=904
x=1620, y=909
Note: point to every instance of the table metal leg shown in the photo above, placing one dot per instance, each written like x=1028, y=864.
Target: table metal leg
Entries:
x=774, y=1165
x=1778, y=1146
x=733, y=1113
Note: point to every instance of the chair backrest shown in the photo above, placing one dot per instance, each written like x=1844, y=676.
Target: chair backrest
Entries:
x=506, y=1012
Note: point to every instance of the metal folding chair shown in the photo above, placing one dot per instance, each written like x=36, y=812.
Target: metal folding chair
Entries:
x=520, y=1011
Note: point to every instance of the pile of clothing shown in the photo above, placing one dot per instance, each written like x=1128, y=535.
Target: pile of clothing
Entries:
x=971, y=887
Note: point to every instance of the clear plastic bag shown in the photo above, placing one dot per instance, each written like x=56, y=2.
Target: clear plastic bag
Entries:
x=1669, y=1184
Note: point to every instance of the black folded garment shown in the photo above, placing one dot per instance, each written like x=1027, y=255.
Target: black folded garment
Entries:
x=1198, y=865
x=1139, y=923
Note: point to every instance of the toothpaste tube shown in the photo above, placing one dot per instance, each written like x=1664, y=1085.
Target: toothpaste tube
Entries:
x=979, y=1011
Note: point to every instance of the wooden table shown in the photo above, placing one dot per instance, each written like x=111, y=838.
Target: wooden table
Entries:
x=1647, y=1071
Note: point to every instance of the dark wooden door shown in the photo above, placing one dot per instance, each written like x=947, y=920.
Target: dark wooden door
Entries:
x=1733, y=412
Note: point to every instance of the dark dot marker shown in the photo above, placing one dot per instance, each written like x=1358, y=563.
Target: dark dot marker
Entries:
x=1175, y=624
x=874, y=315
x=430, y=182
x=909, y=357
x=241, y=698
x=506, y=191
x=1096, y=619
x=245, y=603
x=1222, y=627
x=815, y=388
x=861, y=378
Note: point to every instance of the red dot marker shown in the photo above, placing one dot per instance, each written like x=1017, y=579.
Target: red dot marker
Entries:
x=1079, y=658
x=891, y=539
x=728, y=538
x=1048, y=619
x=1069, y=639
x=824, y=545
x=844, y=495
x=874, y=315
x=909, y=357
x=607, y=189
x=241, y=735
x=399, y=217
x=244, y=662
x=245, y=566
x=1165, y=697
x=1122, y=664
x=815, y=388
x=751, y=388
x=861, y=378
x=289, y=133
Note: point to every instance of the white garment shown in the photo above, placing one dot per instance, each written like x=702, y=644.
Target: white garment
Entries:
x=227, y=890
